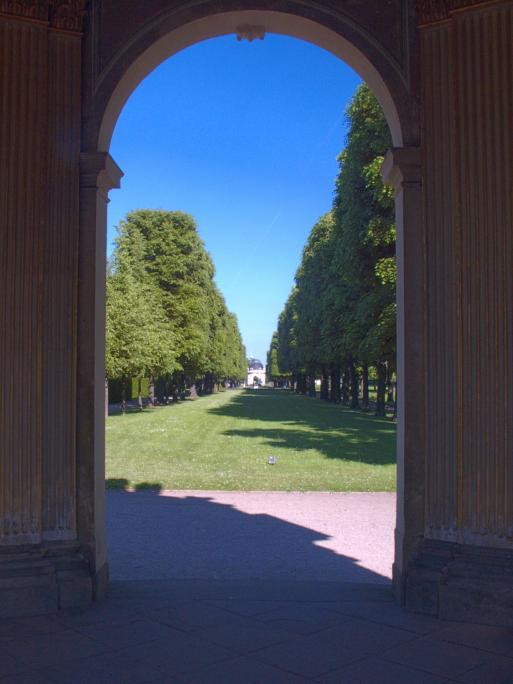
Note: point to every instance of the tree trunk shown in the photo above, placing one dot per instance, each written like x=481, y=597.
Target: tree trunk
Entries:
x=193, y=392
x=123, y=396
x=345, y=385
x=152, y=393
x=353, y=375
x=335, y=385
x=325, y=381
x=365, y=387
x=139, y=397
x=304, y=386
x=106, y=398
x=311, y=385
x=160, y=387
x=390, y=385
x=181, y=386
x=382, y=378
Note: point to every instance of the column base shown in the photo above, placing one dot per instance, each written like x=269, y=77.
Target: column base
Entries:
x=101, y=583
x=44, y=579
x=462, y=583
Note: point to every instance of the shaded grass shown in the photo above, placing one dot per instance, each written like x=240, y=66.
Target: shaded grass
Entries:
x=223, y=442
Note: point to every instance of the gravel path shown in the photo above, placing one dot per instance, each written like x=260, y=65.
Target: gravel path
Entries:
x=251, y=535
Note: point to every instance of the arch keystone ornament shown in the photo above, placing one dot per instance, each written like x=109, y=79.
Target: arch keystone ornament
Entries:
x=250, y=33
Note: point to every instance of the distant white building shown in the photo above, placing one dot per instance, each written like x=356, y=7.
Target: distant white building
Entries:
x=256, y=373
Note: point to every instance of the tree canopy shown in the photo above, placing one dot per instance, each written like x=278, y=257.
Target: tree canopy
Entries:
x=340, y=316
x=166, y=317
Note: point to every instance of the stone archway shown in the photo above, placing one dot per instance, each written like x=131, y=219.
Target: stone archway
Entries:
x=118, y=82
x=159, y=38
x=66, y=67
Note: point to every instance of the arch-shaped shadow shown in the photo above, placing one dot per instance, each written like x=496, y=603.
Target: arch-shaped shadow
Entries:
x=190, y=537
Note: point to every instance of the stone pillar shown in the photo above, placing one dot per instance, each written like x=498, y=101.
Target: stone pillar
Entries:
x=402, y=170
x=98, y=174
x=463, y=570
x=23, y=130
x=59, y=299
x=42, y=564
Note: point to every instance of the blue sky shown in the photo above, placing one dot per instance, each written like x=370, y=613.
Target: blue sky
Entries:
x=243, y=136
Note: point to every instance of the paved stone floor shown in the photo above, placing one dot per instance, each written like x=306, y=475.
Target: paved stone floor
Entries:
x=252, y=535
x=253, y=622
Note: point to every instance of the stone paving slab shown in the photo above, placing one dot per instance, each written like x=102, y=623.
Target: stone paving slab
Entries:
x=450, y=660
x=374, y=670
x=147, y=632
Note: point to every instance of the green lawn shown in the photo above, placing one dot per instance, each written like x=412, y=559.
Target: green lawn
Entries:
x=223, y=441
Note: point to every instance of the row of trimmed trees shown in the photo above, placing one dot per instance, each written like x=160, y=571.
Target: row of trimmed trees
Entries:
x=339, y=320
x=166, y=318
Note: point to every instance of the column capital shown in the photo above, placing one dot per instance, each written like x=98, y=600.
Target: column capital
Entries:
x=436, y=11
x=65, y=15
x=99, y=170
x=402, y=165
x=30, y=9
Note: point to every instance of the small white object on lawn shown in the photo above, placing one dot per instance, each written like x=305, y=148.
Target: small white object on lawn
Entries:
x=272, y=460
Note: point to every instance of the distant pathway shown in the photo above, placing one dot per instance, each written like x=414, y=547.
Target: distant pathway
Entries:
x=251, y=535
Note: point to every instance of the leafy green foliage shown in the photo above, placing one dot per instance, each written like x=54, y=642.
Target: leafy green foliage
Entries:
x=273, y=369
x=139, y=336
x=165, y=314
x=341, y=311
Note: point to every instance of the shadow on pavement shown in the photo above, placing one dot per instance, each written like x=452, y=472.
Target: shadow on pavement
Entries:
x=187, y=537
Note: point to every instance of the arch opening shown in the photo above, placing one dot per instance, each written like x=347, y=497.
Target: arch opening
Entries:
x=142, y=76
x=246, y=24
x=143, y=53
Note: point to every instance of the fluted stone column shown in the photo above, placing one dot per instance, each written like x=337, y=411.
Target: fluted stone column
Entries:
x=59, y=297
x=402, y=170
x=43, y=564
x=463, y=569
x=23, y=129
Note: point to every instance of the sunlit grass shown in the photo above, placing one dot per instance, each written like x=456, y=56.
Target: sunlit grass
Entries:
x=223, y=441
